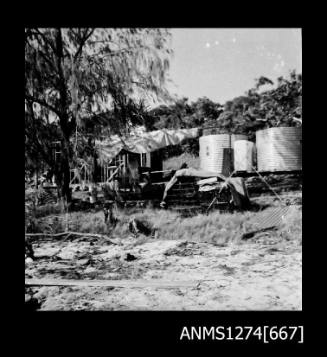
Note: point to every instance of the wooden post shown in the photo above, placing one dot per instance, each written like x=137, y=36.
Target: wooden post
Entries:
x=141, y=284
x=125, y=170
x=230, y=155
x=37, y=178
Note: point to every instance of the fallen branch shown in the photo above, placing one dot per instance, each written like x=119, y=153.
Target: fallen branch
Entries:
x=69, y=234
x=113, y=283
x=253, y=233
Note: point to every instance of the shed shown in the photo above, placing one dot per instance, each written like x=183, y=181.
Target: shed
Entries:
x=129, y=156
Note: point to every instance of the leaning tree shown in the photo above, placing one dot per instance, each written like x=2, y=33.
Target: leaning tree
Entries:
x=75, y=74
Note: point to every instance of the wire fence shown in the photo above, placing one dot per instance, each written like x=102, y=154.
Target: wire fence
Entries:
x=273, y=218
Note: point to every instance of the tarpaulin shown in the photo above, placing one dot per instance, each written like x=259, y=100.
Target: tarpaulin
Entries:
x=236, y=185
x=143, y=143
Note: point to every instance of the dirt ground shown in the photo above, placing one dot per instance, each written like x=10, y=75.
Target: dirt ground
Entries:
x=263, y=273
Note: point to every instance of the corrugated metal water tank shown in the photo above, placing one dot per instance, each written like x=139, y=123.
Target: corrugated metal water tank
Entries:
x=279, y=149
x=243, y=155
x=214, y=152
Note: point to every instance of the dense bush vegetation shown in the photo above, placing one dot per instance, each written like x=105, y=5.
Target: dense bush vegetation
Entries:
x=257, y=109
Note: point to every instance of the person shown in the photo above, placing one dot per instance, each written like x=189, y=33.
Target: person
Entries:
x=109, y=217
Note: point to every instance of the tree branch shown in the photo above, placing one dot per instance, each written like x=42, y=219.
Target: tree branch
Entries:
x=62, y=85
x=43, y=103
x=45, y=39
x=83, y=41
x=44, y=56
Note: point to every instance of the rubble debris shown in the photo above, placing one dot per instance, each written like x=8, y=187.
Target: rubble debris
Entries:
x=29, y=252
x=31, y=303
x=68, y=234
x=182, y=250
x=130, y=257
x=228, y=270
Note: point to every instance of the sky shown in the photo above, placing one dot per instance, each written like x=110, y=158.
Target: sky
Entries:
x=222, y=64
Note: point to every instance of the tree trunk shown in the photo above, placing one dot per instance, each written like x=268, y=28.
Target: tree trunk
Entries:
x=65, y=190
x=62, y=177
x=62, y=171
x=37, y=178
x=95, y=168
x=65, y=170
x=64, y=123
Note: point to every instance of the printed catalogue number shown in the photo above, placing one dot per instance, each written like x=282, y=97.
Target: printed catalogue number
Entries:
x=263, y=334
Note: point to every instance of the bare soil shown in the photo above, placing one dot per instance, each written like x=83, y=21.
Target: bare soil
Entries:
x=264, y=273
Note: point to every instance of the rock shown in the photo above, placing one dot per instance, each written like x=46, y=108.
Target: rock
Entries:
x=90, y=270
x=83, y=261
x=28, y=260
x=130, y=257
x=182, y=250
x=137, y=226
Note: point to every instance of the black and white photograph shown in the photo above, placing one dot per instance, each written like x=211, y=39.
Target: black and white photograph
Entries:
x=163, y=169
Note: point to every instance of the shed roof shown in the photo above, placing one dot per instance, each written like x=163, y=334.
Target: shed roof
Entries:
x=142, y=143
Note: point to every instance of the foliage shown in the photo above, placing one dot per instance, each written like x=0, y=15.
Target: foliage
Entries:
x=72, y=75
x=271, y=108
x=183, y=115
x=175, y=162
x=255, y=110
x=39, y=137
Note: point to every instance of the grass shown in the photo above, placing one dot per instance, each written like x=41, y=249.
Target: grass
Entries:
x=218, y=228
x=49, y=209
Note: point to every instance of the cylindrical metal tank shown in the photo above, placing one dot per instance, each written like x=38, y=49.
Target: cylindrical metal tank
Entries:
x=279, y=149
x=215, y=152
x=243, y=155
